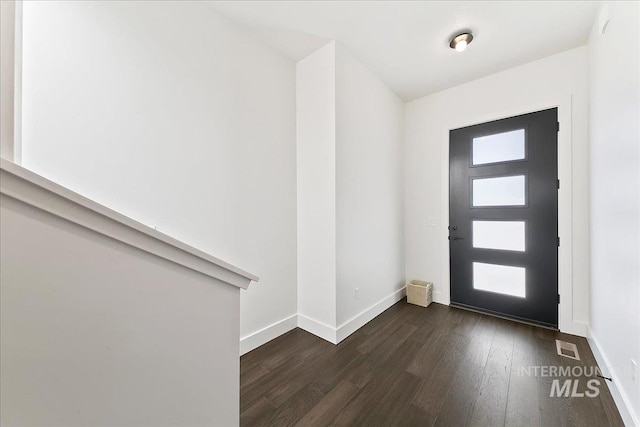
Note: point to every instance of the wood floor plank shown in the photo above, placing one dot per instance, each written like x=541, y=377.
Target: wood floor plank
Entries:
x=357, y=410
x=296, y=407
x=505, y=330
x=377, y=355
x=491, y=403
x=397, y=399
x=258, y=413
x=258, y=390
x=522, y=399
x=412, y=416
x=281, y=383
x=271, y=354
x=609, y=406
x=430, y=395
x=467, y=324
x=325, y=410
x=431, y=350
x=361, y=374
x=384, y=350
x=299, y=376
x=375, y=340
x=435, y=318
x=374, y=325
x=461, y=396
x=252, y=374
x=415, y=315
x=554, y=411
x=416, y=366
x=459, y=401
x=376, y=389
x=482, y=339
x=336, y=370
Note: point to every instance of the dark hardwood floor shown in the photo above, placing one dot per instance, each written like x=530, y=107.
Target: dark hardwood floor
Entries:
x=419, y=366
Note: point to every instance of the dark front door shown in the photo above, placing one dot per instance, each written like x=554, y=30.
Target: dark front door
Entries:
x=503, y=217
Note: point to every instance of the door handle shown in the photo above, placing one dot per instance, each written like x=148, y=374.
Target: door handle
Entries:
x=455, y=238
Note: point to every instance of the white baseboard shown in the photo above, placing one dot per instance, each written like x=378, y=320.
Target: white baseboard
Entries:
x=623, y=403
x=361, y=319
x=319, y=329
x=440, y=298
x=265, y=335
x=335, y=335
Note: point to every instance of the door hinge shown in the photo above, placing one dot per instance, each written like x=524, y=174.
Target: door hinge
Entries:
x=557, y=126
x=558, y=298
x=558, y=184
x=558, y=242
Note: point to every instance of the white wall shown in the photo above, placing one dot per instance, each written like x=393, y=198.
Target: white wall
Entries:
x=369, y=188
x=174, y=117
x=7, y=82
x=536, y=85
x=614, y=144
x=316, y=154
x=350, y=206
x=97, y=333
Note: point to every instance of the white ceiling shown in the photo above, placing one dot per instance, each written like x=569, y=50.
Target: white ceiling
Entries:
x=406, y=43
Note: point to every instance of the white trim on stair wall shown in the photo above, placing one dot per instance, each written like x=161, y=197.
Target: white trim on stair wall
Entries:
x=36, y=191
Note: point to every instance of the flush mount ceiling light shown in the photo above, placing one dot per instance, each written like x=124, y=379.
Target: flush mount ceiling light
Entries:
x=460, y=42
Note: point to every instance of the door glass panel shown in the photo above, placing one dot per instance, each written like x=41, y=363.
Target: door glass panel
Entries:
x=502, y=279
x=500, y=147
x=502, y=191
x=504, y=235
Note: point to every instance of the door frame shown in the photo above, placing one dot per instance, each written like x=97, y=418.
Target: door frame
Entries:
x=566, y=323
